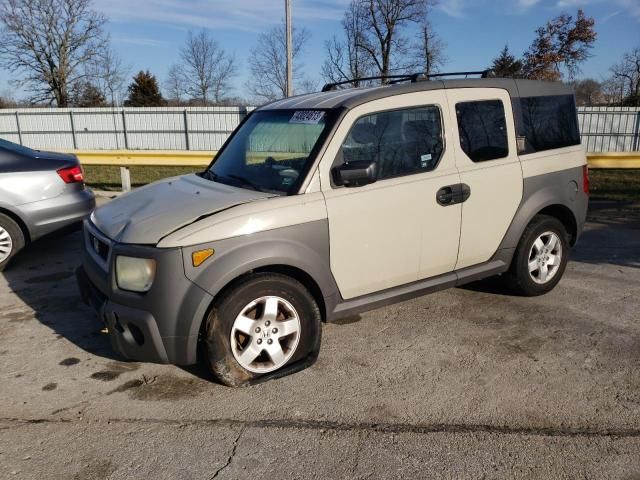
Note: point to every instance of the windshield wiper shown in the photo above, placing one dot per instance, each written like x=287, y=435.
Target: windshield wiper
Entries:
x=209, y=175
x=245, y=181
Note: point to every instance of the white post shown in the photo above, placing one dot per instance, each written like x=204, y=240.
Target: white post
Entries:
x=287, y=7
x=125, y=176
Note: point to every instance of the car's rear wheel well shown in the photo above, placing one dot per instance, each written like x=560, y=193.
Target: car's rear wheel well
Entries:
x=18, y=220
x=565, y=215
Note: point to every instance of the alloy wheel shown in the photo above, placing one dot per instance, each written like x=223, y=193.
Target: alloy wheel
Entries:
x=6, y=244
x=545, y=257
x=265, y=334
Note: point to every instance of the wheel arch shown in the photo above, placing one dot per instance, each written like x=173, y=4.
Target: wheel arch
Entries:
x=566, y=217
x=300, y=252
x=18, y=219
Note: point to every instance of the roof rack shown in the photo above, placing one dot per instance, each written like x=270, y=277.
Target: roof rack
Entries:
x=412, y=77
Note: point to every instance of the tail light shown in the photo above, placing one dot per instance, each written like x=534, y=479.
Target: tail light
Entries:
x=72, y=174
x=585, y=179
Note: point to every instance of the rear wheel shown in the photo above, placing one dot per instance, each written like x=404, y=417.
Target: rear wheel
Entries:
x=266, y=324
x=540, y=258
x=11, y=240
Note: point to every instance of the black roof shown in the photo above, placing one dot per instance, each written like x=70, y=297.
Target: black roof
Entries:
x=352, y=97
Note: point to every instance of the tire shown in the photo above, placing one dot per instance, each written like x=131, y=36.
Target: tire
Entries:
x=231, y=340
x=526, y=275
x=11, y=240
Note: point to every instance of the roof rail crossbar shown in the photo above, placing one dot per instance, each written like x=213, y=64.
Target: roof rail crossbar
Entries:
x=413, y=77
x=396, y=78
x=482, y=73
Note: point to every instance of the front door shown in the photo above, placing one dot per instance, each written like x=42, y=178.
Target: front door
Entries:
x=393, y=231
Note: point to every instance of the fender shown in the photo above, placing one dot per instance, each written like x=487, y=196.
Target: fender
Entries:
x=16, y=214
x=304, y=246
x=539, y=192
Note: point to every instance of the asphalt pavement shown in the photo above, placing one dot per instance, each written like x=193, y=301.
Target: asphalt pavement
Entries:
x=466, y=383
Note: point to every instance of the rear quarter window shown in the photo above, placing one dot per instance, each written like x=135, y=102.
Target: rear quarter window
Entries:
x=549, y=122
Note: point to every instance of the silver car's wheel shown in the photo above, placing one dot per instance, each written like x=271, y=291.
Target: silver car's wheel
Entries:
x=6, y=244
x=545, y=257
x=265, y=334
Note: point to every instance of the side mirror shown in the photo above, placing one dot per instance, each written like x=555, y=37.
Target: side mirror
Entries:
x=355, y=174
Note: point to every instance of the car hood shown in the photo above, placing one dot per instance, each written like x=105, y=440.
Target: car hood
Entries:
x=147, y=214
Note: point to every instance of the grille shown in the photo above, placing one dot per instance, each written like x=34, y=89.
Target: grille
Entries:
x=99, y=247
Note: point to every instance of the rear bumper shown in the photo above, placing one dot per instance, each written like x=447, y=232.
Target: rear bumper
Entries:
x=49, y=215
x=160, y=326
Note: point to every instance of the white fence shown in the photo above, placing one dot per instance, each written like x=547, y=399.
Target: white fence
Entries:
x=603, y=129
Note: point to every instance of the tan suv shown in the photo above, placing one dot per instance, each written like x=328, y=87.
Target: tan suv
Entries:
x=324, y=205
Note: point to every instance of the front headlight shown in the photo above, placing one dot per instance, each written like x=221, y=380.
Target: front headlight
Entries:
x=135, y=274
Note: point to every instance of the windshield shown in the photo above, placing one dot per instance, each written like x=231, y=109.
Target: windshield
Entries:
x=271, y=150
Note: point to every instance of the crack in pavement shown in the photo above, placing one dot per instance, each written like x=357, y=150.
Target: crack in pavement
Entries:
x=231, y=455
x=452, y=428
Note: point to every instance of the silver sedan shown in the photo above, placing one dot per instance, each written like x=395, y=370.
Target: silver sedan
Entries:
x=40, y=192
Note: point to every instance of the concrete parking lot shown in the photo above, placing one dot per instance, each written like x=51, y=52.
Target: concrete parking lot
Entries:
x=466, y=383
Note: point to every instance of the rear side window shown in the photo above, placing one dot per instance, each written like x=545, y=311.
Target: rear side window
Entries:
x=483, y=130
x=401, y=142
x=549, y=122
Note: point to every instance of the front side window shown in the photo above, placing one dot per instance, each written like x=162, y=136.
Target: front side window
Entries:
x=549, y=122
x=271, y=151
x=483, y=130
x=401, y=142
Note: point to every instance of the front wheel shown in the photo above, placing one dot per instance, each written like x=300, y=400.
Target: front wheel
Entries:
x=540, y=258
x=261, y=327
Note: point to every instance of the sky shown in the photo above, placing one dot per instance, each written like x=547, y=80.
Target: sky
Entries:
x=148, y=34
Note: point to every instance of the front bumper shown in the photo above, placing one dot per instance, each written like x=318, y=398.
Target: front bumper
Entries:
x=159, y=326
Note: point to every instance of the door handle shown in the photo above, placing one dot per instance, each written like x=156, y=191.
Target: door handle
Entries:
x=453, y=194
x=445, y=196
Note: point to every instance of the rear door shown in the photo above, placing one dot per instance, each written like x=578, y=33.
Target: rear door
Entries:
x=393, y=231
x=487, y=159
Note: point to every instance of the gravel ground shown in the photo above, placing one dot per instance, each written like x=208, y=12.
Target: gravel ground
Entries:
x=465, y=383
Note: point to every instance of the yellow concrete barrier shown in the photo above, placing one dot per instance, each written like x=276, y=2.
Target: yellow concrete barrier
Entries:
x=614, y=160
x=171, y=158
x=150, y=158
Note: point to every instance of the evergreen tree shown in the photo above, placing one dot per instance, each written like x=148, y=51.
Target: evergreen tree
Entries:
x=144, y=91
x=88, y=95
x=506, y=65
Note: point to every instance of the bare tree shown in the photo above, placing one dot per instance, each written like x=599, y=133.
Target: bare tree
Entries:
x=346, y=60
x=429, y=49
x=207, y=68
x=561, y=42
x=588, y=92
x=50, y=42
x=627, y=74
x=108, y=72
x=382, y=40
x=175, y=85
x=268, y=63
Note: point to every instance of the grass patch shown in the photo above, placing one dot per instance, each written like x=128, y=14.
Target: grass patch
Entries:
x=606, y=184
x=613, y=184
x=108, y=178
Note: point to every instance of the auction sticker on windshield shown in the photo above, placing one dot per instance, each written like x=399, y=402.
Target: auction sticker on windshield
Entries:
x=312, y=117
